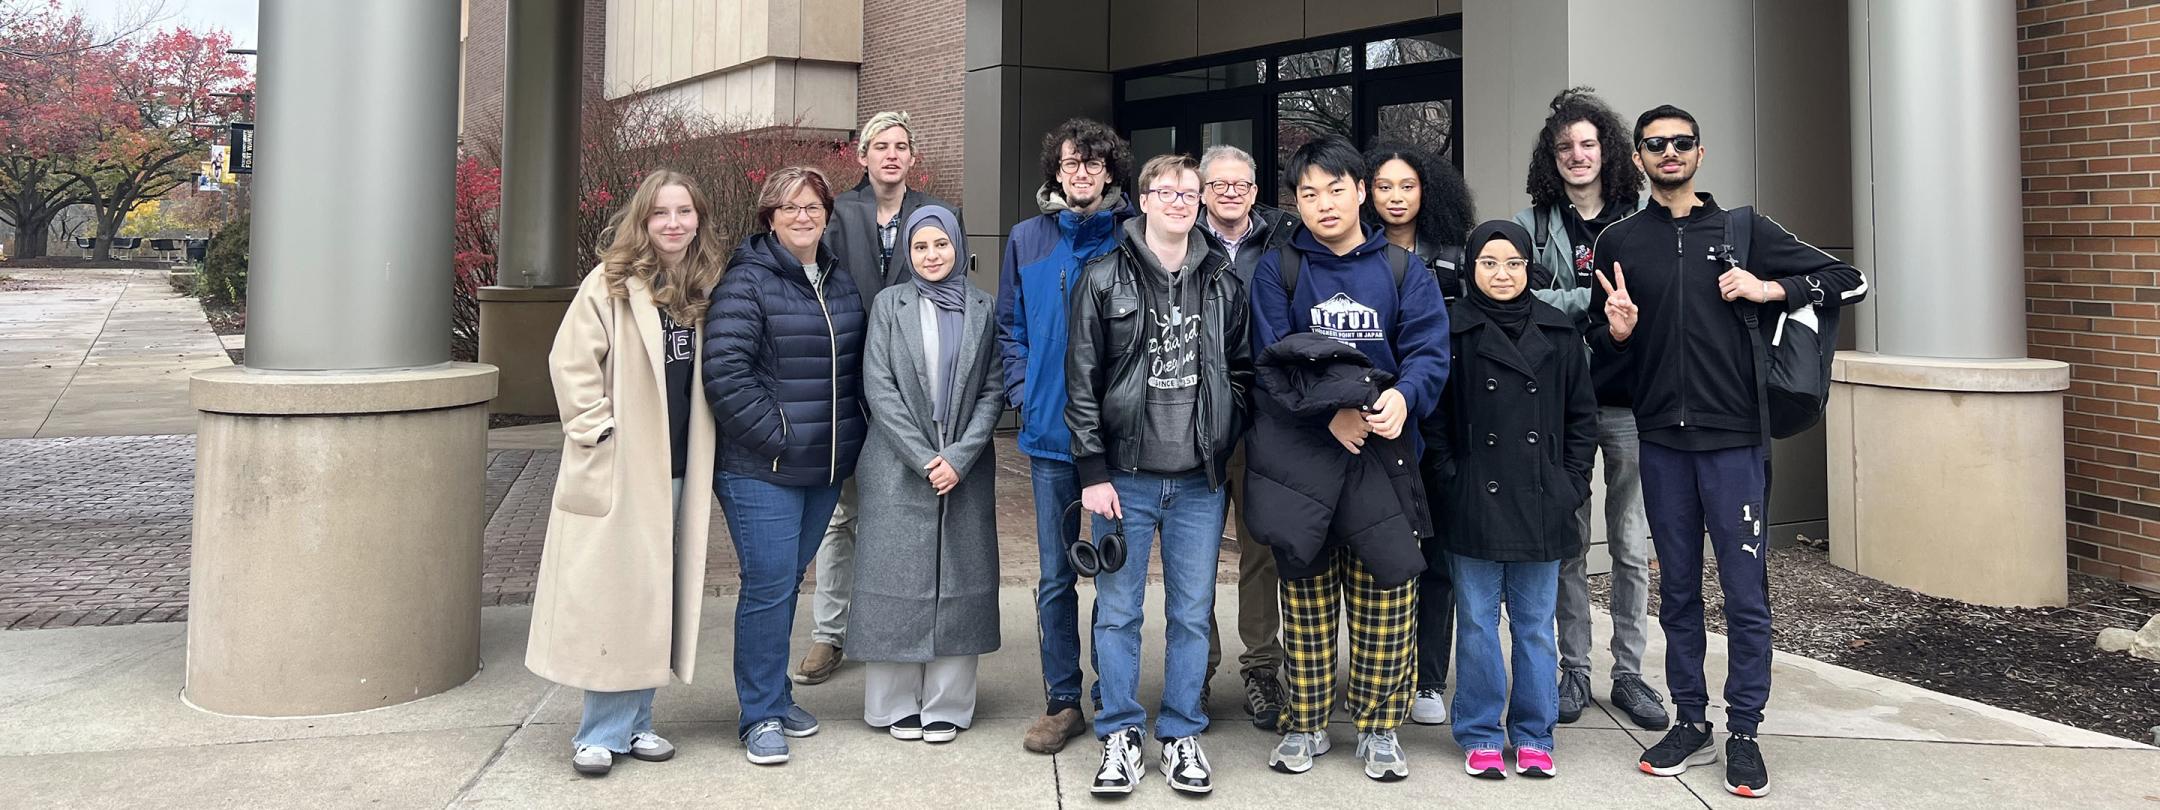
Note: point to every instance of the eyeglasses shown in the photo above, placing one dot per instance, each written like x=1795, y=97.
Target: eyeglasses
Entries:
x=1656, y=144
x=1169, y=196
x=1513, y=265
x=792, y=210
x=1230, y=188
x=1092, y=165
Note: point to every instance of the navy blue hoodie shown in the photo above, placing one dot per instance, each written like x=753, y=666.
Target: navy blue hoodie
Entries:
x=1352, y=298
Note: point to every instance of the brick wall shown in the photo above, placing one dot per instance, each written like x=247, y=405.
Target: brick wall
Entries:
x=2089, y=86
x=487, y=54
x=914, y=58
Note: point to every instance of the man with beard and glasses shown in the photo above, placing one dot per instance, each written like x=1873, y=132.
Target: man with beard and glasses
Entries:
x=1081, y=210
x=864, y=232
x=1580, y=182
x=1664, y=310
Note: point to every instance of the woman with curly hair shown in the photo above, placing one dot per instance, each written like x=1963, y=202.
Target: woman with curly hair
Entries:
x=622, y=574
x=1424, y=206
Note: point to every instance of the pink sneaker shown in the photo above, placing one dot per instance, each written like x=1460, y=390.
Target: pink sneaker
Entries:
x=1533, y=761
x=1485, y=763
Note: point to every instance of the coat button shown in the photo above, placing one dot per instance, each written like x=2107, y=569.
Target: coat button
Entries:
x=1492, y=439
x=1398, y=462
x=1530, y=387
x=1533, y=437
x=1492, y=384
x=1492, y=487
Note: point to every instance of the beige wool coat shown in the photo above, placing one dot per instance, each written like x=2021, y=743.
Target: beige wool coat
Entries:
x=622, y=577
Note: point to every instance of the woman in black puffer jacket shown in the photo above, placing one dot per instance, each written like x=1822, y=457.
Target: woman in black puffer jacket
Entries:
x=783, y=371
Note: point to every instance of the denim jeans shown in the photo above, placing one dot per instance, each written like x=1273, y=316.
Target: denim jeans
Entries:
x=1483, y=689
x=612, y=717
x=776, y=530
x=1627, y=536
x=1057, y=604
x=1189, y=517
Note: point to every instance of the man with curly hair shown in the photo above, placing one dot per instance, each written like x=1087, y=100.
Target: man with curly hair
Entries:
x=1081, y=210
x=1581, y=180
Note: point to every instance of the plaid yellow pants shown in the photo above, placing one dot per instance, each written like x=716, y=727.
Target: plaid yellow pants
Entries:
x=1383, y=645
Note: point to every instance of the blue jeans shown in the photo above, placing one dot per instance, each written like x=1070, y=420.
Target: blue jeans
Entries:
x=1483, y=690
x=1722, y=491
x=1057, y=604
x=776, y=530
x=1189, y=517
x=612, y=717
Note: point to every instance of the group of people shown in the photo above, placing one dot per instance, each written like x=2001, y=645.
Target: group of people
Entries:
x=1400, y=408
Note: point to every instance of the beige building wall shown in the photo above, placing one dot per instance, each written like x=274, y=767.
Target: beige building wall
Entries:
x=747, y=62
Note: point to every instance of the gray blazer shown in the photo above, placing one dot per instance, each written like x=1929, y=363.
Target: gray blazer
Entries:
x=926, y=567
x=852, y=236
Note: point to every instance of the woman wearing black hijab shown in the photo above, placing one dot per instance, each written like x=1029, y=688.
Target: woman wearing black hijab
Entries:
x=1520, y=425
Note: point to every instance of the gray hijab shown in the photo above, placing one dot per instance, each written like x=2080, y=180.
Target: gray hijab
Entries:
x=949, y=295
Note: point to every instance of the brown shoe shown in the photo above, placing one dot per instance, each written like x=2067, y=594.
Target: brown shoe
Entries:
x=819, y=665
x=1050, y=731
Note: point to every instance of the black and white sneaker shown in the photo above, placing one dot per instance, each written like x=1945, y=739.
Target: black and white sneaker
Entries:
x=1745, y=774
x=908, y=728
x=1185, y=766
x=940, y=732
x=1687, y=745
x=1120, y=763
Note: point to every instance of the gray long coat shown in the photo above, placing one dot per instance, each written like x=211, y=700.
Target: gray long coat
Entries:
x=920, y=591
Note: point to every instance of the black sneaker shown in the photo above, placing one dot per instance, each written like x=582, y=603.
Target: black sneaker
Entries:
x=1640, y=702
x=1186, y=767
x=909, y=728
x=1744, y=771
x=1687, y=745
x=1574, y=694
x=1120, y=769
x=1264, y=698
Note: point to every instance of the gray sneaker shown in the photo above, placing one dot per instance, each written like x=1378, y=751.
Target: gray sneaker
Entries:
x=1296, y=751
x=1574, y=694
x=798, y=723
x=651, y=747
x=1640, y=702
x=1383, y=756
x=764, y=744
x=593, y=760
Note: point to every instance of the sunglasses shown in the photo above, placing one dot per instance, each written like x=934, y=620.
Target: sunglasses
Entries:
x=1656, y=144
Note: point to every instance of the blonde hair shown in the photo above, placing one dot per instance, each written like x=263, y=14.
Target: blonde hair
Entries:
x=682, y=290
x=1165, y=164
x=879, y=123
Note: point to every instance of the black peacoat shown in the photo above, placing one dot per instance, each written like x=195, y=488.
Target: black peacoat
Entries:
x=1512, y=441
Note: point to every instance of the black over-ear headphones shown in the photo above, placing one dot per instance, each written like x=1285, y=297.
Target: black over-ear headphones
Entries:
x=1089, y=556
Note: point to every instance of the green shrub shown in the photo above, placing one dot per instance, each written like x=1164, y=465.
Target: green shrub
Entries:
x=225, y=265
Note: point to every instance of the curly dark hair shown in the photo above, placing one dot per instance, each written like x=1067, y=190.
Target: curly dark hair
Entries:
x=1444, y=208
x=1620, y=180
x=1094, y=140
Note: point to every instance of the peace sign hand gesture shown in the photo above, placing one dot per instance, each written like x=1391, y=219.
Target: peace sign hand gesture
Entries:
x=1620, y=311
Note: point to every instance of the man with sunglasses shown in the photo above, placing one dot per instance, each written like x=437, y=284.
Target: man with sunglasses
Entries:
x=1081, y=207
x=1665, y=311
x=1155, y=385
x=1244, y=230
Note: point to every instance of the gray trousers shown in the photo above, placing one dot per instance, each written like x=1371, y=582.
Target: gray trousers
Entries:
x=836, y=573
x=942, y=691
x=1627, y=534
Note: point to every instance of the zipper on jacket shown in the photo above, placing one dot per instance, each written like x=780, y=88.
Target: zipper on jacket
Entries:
x=783, y=434
x=1680, y=273
x=832, y=347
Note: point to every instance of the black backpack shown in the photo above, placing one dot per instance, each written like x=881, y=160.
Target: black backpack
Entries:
x=1792, y=350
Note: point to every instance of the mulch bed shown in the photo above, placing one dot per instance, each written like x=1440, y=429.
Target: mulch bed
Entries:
x=2039, y=661
x=79, y=263
x=503, y=420
x=12, y=284
x=225, y=319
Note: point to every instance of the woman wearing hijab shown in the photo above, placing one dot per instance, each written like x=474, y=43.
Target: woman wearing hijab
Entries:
x=925, y=604
x=1510, y=469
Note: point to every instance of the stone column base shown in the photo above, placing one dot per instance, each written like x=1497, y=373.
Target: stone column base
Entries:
x=1946, y=476
x=517, y=327
x=338, y=518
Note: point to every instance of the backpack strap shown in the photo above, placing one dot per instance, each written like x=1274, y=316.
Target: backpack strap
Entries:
x=1542, y=215
x=1739, y=232
x=1293, y=260
x=1399, y=263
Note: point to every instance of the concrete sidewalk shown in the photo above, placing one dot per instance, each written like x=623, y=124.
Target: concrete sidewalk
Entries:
x=100, y=353
x=97, y=721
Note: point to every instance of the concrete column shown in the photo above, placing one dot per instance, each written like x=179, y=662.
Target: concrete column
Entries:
x=340, y=477
x=1945, y=392
x=537, y=275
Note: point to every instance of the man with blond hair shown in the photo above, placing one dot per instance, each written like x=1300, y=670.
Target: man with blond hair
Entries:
x=864, y=232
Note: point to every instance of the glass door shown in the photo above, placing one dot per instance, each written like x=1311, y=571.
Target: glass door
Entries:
x=1421, y=110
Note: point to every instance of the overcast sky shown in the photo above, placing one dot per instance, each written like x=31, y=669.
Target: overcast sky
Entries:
x=236, y=17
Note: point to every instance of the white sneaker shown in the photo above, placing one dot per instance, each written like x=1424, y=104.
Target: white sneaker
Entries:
x=1383, y=756
x=1120, y=763
x=1186, y=767
x=1429, y=708
x=651, y=747
x=1296, y=751
x=593, y=760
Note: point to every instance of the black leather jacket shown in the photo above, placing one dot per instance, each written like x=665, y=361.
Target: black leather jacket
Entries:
x=1105, y=364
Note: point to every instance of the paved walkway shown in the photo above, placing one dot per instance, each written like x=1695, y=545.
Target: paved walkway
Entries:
x=99, y=353
x=96, y=720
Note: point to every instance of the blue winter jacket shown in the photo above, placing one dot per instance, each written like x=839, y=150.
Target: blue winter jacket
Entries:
x=1040, y=269
x=783, y=367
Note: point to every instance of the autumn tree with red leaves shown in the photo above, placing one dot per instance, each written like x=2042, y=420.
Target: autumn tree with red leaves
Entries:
x=164, y=85
x=56, y=92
